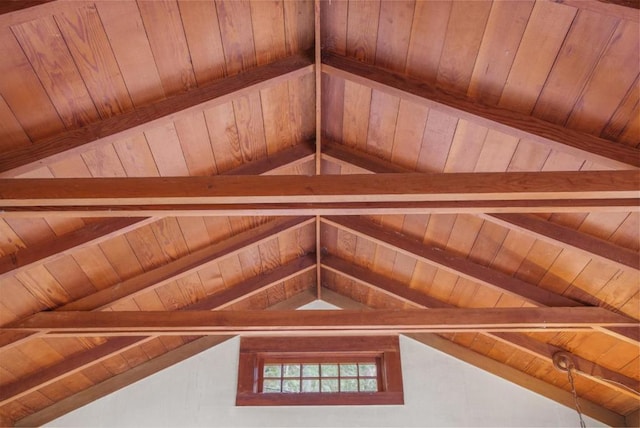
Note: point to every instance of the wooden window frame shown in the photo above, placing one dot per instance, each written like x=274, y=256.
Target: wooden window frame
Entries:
x=254, y=351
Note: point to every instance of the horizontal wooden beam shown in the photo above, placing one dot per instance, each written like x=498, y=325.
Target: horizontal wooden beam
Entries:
x=580, y=144
x=109, y=130
x=466, y=268
x=351, y=194
x=490, y=365
x=553, y=233
x=398, y=290
x=143, y=370
x=319, y=321
x=116, y=345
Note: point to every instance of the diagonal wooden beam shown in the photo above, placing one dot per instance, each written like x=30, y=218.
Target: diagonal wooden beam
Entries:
x=467, y=269
x=290, y=195
x=171, y=271
x=545, y=351
x=451, y=263
x=111, y=129
x=582, y=145
x=113, y=346
x=550, y=232
x=169, y=323
x=483, y=362
x=98, y=232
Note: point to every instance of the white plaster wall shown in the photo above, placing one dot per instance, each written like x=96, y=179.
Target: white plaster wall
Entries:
x=439, y=391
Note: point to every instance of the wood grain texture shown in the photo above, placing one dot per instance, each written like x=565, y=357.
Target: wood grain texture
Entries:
x=512, y=123
x=145, y=118
x=225, y=322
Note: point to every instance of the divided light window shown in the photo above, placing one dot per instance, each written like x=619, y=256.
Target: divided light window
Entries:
x=319, y=371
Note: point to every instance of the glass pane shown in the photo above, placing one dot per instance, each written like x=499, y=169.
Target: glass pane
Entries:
x=330, y=385
x=291, y=385
x=310, y=370
x=367, y=369
x=309, y=385
x=272, y=370
x=271, y=385
x=349, y=385
x=348, y=370
x=368, y=385
x=329, y=370
x=291, y=370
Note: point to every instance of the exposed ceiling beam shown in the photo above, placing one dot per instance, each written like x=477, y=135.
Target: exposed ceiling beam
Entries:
x=549, y=232
x=162, y=323
x=290, y=195
x=398, y=290
x=466, y=268
x=171, y=271
x=134, y=122
x=582, y=145
x=499, y=369
x=97, y=232
x=143, y=370
x=113, y=346
x=621, y=9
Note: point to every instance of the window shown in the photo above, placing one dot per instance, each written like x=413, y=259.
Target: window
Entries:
x=319, y=371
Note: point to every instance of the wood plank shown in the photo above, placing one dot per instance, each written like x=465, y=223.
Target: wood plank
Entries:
x=400, y=290
x=163, y=323
x=92, y=233
x=183, y=266
x=150, y=116
x=328, y=189
x=146, y=369
x=513, y=123
x=454, y=264
x=571, y=238
x=80, y=361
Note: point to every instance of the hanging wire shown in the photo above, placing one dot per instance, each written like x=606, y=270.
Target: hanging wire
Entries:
x=570, y=368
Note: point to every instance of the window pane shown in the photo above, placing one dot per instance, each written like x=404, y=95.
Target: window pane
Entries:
x=291, y=370
x=367, y=369
x=349, y=385
x=329, y=370
x=348, y=370
x=310, y=385
x=369, y=385
x=330, y=385
x=310, y=370
x=272, y=370
x=291, y=385
x=271, y=385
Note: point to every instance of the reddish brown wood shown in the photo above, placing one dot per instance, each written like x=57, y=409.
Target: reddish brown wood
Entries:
x=319, y=321
x=78, y=362
x=255, y=350
x=513, y=123
x=402, y=291
x=120, y=126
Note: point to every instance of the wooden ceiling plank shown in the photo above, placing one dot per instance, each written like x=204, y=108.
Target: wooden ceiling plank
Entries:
x=171, y=323
x=622, y=9
x=492, y=366
x=468, y=269
x=95, y=233
x=402, y=291
x=134, y=122
x=521, y=125
x=81, y=361
x=553, y=233
x=451, y=263
x=146, y=369
x=176, y=269
x=416, y=187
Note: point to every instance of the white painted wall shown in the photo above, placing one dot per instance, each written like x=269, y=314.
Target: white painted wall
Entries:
x=439, y=391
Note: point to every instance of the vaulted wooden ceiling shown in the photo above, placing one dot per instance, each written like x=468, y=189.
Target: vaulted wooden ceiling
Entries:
x=537, y=102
